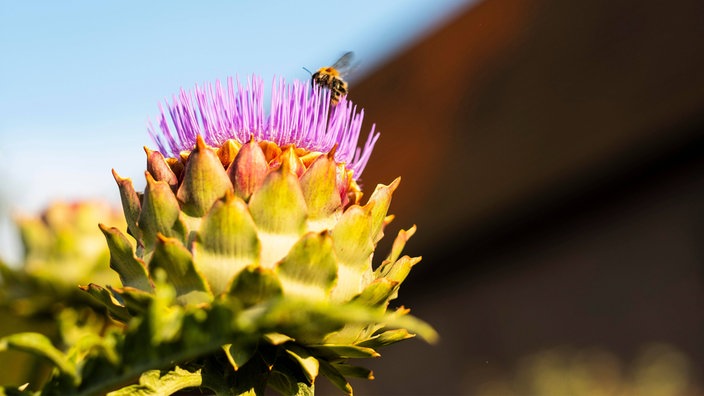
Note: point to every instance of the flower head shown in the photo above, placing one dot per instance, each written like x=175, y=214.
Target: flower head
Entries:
x=250, y=258
x=299, y=115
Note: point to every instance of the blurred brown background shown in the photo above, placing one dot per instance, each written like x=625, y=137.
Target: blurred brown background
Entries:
x=551, y=155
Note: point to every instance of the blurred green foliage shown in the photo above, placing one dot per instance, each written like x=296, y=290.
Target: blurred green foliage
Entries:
x=62, y=249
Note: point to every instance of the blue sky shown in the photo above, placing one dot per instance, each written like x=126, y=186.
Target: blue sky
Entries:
x=80, y=79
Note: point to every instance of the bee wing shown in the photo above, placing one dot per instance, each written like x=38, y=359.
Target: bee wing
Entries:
x=344, y=63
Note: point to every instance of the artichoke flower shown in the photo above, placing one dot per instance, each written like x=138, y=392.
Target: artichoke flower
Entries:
x=247, y=260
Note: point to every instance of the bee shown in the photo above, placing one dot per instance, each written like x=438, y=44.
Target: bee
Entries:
x=331, y=77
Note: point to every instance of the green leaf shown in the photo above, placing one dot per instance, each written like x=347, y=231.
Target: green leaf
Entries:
x=122, y=259
x=335, y=377
x=353, y=371
x=204, y=181
x=400, y=319
x=135, y=300
x=310, y=268
x=160, y=213
x=377, y=293
x=240, y=351
x=131, y=205
x=396, y=272
x=332, y=352
x=399, y=243
x=386, y=338
x=277, y=338
x=319, y=186
x=177, y=262
x=353, y=244
x=305, y=320
x=226, y=243
x=17, y=391
x=254, y=285
x=279, y=210
x=39, y=345
x=288, y=379
x=309, y=364
x=156, y=383
x=378, y=206
x=115, y=307
x=282, y=383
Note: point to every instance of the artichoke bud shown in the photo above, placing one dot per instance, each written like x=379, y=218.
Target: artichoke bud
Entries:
x=268, y=221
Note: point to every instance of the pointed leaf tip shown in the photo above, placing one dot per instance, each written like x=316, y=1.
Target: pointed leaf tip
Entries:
x=131, y=269
x=131, y=205
x=159, y=168
x=331, y=153
x=200, y=143
x=117, y=177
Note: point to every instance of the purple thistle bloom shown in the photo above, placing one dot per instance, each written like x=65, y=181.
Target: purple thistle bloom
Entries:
x=298, y=115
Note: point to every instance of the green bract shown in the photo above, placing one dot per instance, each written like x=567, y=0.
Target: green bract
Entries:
x=263, y=231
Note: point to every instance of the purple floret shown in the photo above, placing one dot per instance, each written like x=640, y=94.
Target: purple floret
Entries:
x=299, y=114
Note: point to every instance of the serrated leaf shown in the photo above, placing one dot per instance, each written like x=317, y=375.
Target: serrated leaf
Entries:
x=310, y=268
x=153, y=383
x=39, y=345
x=131, y=270
x=227, y=242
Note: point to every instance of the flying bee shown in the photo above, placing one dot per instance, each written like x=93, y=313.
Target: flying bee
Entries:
x=331, y=77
